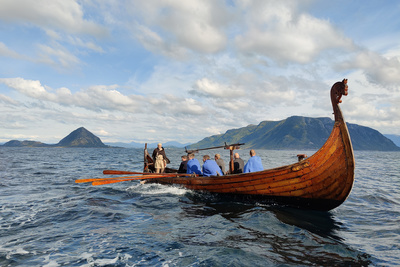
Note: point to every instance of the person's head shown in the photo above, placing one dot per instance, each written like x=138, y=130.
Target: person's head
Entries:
x=217, y=156
x=191, y=156
x=236, y=155
x=184, y=158
x=206, y=157
x=252, y=152
x=159, y=145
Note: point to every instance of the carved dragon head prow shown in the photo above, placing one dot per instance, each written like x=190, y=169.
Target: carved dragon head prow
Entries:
x=337, y=91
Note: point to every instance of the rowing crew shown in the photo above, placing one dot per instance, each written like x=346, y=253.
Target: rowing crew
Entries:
x=212, y=168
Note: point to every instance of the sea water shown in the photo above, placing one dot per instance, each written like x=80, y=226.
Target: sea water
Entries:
x=46, y=219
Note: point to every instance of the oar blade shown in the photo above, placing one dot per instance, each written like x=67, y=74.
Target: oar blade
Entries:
x=89, y=180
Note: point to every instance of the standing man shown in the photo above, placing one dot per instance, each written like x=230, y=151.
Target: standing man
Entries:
x=238, y=164
x=254, y=163
x=220, y=162
x=159, y=158
x=210, y=167
x=193, y=165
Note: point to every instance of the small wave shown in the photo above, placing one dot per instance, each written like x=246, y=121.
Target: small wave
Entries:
x=14, y=251
x=92, y=261
x=156, y=189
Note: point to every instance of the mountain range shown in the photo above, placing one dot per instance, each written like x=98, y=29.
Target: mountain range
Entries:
x=81, y=137
x=295, y=132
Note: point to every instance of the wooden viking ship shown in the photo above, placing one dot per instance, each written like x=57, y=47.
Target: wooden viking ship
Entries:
x=322, y=181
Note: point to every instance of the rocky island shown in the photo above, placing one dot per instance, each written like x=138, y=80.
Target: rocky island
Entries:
x=78, y=138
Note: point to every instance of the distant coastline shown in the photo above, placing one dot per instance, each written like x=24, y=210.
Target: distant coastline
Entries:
x=295, y=132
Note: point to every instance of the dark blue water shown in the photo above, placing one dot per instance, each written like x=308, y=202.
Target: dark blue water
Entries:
x=48, y=220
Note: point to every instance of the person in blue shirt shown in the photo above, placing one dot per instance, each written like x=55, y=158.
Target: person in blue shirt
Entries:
x=254, y=163
x=210, y=167
x=193, y=165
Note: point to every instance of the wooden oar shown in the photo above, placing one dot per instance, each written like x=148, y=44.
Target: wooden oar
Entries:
x=105, y=178
x=116, y=181
x=118, y=178
x=113, y=172
x=145, y=177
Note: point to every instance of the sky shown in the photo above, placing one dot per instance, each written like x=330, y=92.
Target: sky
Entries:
x=173, y=70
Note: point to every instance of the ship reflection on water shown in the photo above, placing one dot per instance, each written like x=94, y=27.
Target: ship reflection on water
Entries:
x=281, y=234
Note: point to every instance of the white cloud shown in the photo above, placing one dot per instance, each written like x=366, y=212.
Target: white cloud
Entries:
x=277, y=31
x=60, y=21
x=7, y=52
x=64, y=15
x=102, y=132
x=8, y=100
x=235, y=105
x=95, y=97
x=194, y=25
x=153, y=42
x=378, y=68
x=58, y=57
x=187, y=106
x=85, y=44
x=214, y=89
x=213, y=130
x=274, y=96
x=371, y=105
x=102, y=97
x=30, y=88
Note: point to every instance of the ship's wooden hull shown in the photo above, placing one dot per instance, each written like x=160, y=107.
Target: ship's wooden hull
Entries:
x=322, y=181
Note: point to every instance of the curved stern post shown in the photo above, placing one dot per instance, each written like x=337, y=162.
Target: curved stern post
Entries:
x=338, y=90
